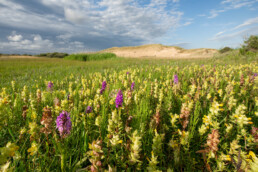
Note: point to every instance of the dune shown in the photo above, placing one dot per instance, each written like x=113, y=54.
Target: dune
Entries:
x=161, y=51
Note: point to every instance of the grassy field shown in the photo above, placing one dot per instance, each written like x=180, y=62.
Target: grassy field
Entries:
x=129, y=114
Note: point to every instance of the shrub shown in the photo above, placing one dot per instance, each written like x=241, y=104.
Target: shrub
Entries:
x=250, y=45
x=225, y=49
x=91, y=57
x=53, y=55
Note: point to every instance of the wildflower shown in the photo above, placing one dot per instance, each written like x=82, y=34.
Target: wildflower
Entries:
x=119, y=99
x=50, y=85
x=254, y=132
x=64, y=124
x=212, y=142
x=56, y=102
x=175, y=79
x=132, y=86
x=46, y=120
x=33, y=149
x=89, y=109
x=38, y=95
x=184, y=116
x=242, y=80
x=96, y=154
x=135, y=148
x=104, y=85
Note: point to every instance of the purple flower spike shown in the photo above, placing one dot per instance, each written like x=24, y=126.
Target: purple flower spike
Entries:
x=127, y=73
x=64, y=124
x=255, y=74
x=132, y=86
x=50, y=85
x=104, y=85
x=175, y=79
x=119, y=99
x=89, y=109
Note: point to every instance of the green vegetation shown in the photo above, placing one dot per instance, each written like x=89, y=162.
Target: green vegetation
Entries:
x=225, y=49
x=250, y=45
x=91, y=56
x=53, y=55
x=197, y=122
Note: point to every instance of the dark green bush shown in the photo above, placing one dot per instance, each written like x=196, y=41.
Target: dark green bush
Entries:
x=53, y=55
x=250, y=45
x=91, y=56
x=225, y=49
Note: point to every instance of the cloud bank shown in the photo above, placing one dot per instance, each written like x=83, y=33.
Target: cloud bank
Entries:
x=83, y=25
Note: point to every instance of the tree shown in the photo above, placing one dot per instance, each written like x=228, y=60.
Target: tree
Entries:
x=251, y=44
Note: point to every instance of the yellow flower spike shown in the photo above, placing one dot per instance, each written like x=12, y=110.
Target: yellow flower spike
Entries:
x=152, y=153
x=228, y=158
x=252, y=154
x=120, y=141
x=250, y=122
x=249, y=119
x=236, y=116
x=221, y=104
x=249, y=160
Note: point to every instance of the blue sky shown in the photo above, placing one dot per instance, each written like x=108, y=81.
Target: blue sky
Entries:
x=35, y=26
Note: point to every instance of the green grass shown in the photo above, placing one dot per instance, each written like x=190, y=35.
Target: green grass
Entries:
x=91, y=56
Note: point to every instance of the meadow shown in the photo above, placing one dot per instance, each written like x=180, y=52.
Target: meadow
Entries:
x=123, y=114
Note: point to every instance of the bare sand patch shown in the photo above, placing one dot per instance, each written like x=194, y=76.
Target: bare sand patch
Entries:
x=161, y=51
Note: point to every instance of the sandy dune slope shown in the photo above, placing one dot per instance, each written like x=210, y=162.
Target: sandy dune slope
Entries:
x=161, y=51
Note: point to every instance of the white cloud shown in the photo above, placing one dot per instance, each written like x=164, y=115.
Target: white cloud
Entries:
x=176, y=1
x=215, y=13
x=236, y=35
x=187, y=23
x=235, y=30
x=231, y=5
x=227, y=1
x=247, y=23
x=219, y=33
x=14, y=37
x=34, y=43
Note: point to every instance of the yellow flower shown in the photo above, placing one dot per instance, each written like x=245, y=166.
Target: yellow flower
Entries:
x=252, y=154
x=33, y=149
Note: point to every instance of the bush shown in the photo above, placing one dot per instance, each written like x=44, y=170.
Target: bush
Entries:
x=225, y=49
x=91, y=57
x=53, y=55
x=250, y=45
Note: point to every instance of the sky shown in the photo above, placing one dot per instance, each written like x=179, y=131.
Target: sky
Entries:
x=38, y=26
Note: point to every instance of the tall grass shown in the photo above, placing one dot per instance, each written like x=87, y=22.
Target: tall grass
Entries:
x=91, y=57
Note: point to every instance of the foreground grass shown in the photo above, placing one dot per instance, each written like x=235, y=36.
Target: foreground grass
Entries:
x=201, y=122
